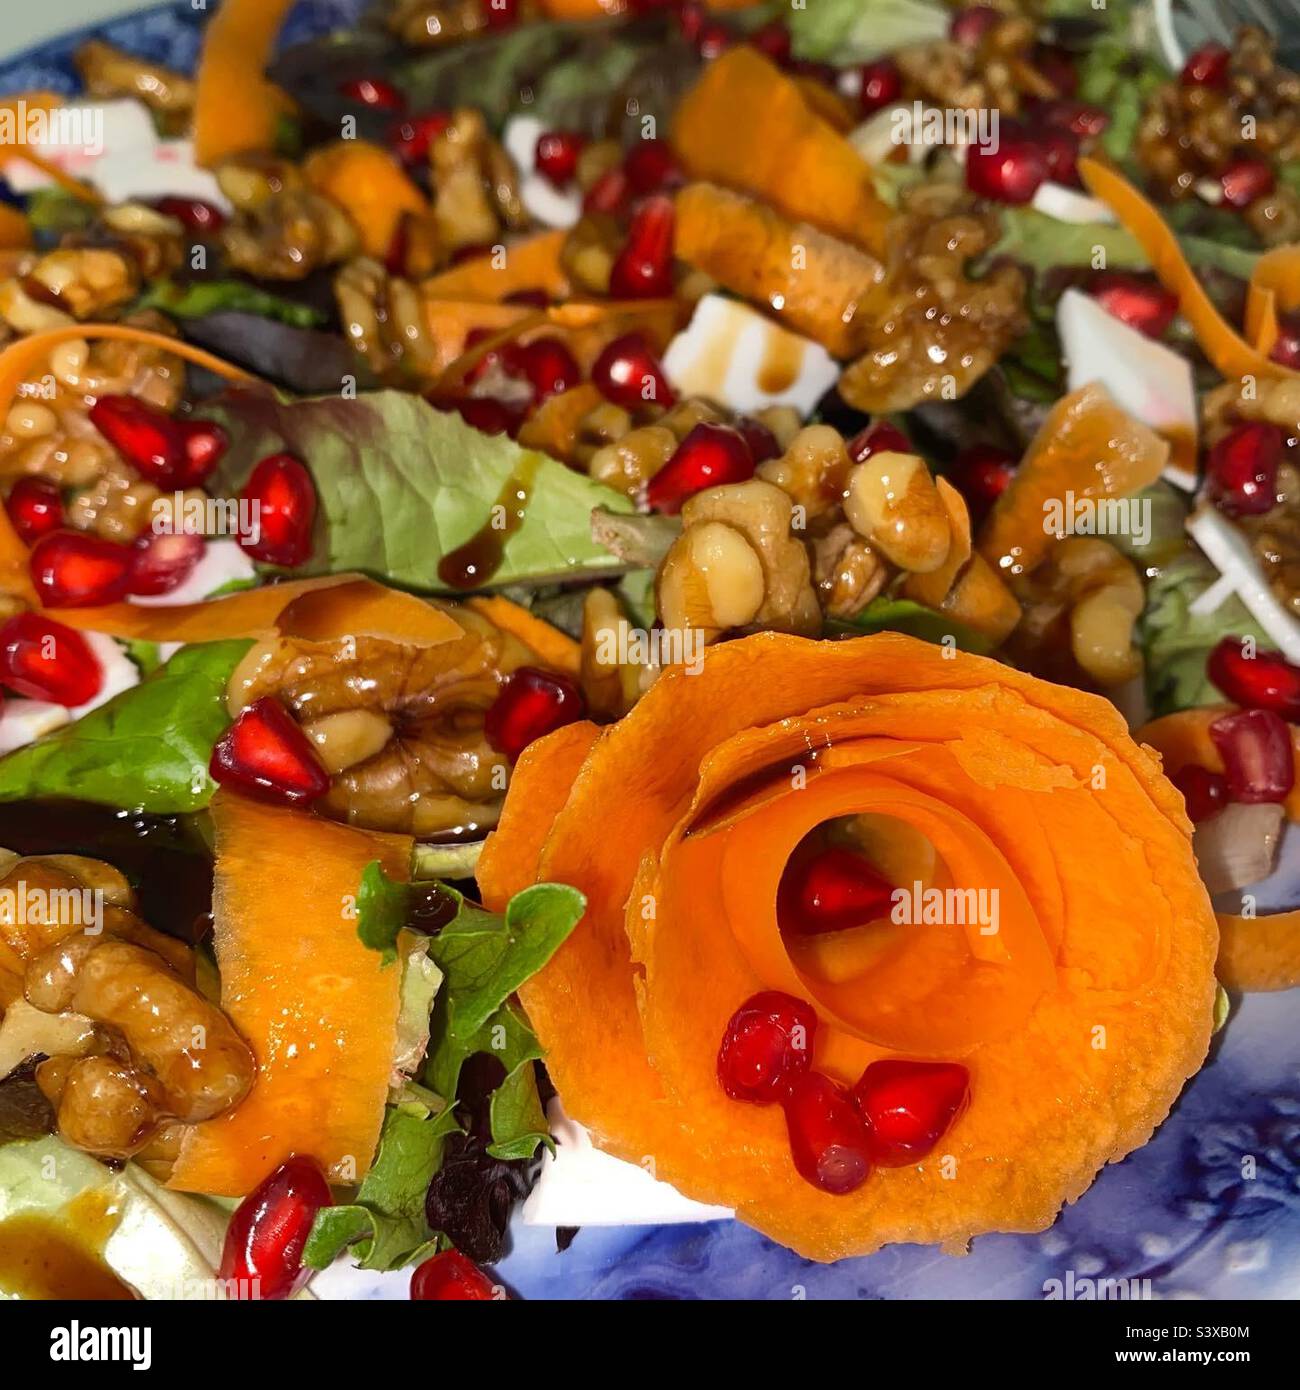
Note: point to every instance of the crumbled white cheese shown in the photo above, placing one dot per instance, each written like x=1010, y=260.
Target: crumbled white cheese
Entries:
x=551, y=206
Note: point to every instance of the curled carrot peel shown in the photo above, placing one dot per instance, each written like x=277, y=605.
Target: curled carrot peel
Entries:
x=317, y=1007
x=1033, y=789
x=531, y=263
x=236, y=109
x=1275, y=283
x=557, y=649
x=26, y=362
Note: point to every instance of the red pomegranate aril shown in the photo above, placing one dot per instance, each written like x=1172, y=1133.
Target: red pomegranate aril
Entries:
x=412, y=136
x=1078, y=117
x=828, y=1139
x=609, y=194
x=44, y=660
x=450, y=1278
x=1241, y=469
x=1258, y=762
x=501, y=14
x=262, y=1256
x=650, y=165
x=760, y=440
x=1008, y=170
x=163, y=560
x=881, y=438
x=1137, y=300
x=691, y=19
x=773, y=41
x=203, y=442
x=1204, y=792
x=35, y=507
x=983, y=472
x=882, y=85
x=628, y=373
x=532, y=703
x=549, y=366
x=557, y=155
x=767, y=1044
x=1286, y=349
x=266, y=755
x=708, y=456
x=73, y=570
x=192, y=213
x=969, y=26
x=1256, y=679
x=1244, y=180
x=281, y=490
x=1061, y=150
x=830, y=891
x=908, y=1107
x=148, y=438
x=373, y=92
x=713, y=41
x=485, y=413
x=643, y=269
x=1207, y=67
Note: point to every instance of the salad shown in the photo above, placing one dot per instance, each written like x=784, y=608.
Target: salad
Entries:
x=629, y=611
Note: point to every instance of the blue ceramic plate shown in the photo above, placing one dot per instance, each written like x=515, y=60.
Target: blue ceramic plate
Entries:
x=1209, y=1209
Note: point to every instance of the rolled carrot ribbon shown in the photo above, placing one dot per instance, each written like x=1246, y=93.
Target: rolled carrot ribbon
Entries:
x=1079, y=1017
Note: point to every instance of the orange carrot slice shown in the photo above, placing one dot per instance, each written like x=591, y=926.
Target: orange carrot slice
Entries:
x=1259, y=954
x=236, y=109
x=369, y=184
x=532, y=263
x=557, y=649
x=317, y=1007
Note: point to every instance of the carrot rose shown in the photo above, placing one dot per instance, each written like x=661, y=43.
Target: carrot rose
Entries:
x=1040, y=932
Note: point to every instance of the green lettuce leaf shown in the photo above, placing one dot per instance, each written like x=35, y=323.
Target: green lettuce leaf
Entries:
x=885, y=614
x=147, y=749
x=381, y=910
x=401, y=484
x=1176, y=642
x=385, y=1223
x=1119, y=80
x=200, y=297
x=848, y=31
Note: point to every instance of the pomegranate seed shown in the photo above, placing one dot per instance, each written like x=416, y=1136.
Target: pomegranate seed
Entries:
x=1077, y=117
x=630, y=375
x=969, y=26
x=1207, y=67
x=266, y=755
x=549, y=366
x=148, y=438
x=1287, y=348
x=983, y=473
x=828, y=1140
x=1137, y=300
x=650, y=166
x=1061, y=150
x=281, y=490
x=44, y=660
x=1241, y=469
x=1266, y=680
x=72, y=570
x=643, y=269
x=412, y=136
x=1057, y=66
x=713, y=41
x=373, y=92
x=1204, y=792
x=608, y=194
x=881, y=438
x=882, y=85
x=534, y=299
x=450, y=1277
x=163, y=560
x=1255, y=746
x=35, y=507
x=691, y=18
x=767, y=1044
x=192, y=213
x=772, y=40
x=262, y=1256
x=909, y=1107
x=557, y=155
x=1008, y=171
x=203, y=442
x=485, y=413
x=760, y=440
x=532, y=703
x=501, y=14
x=708, y=456
x=1244, y=180
x=830, y=891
